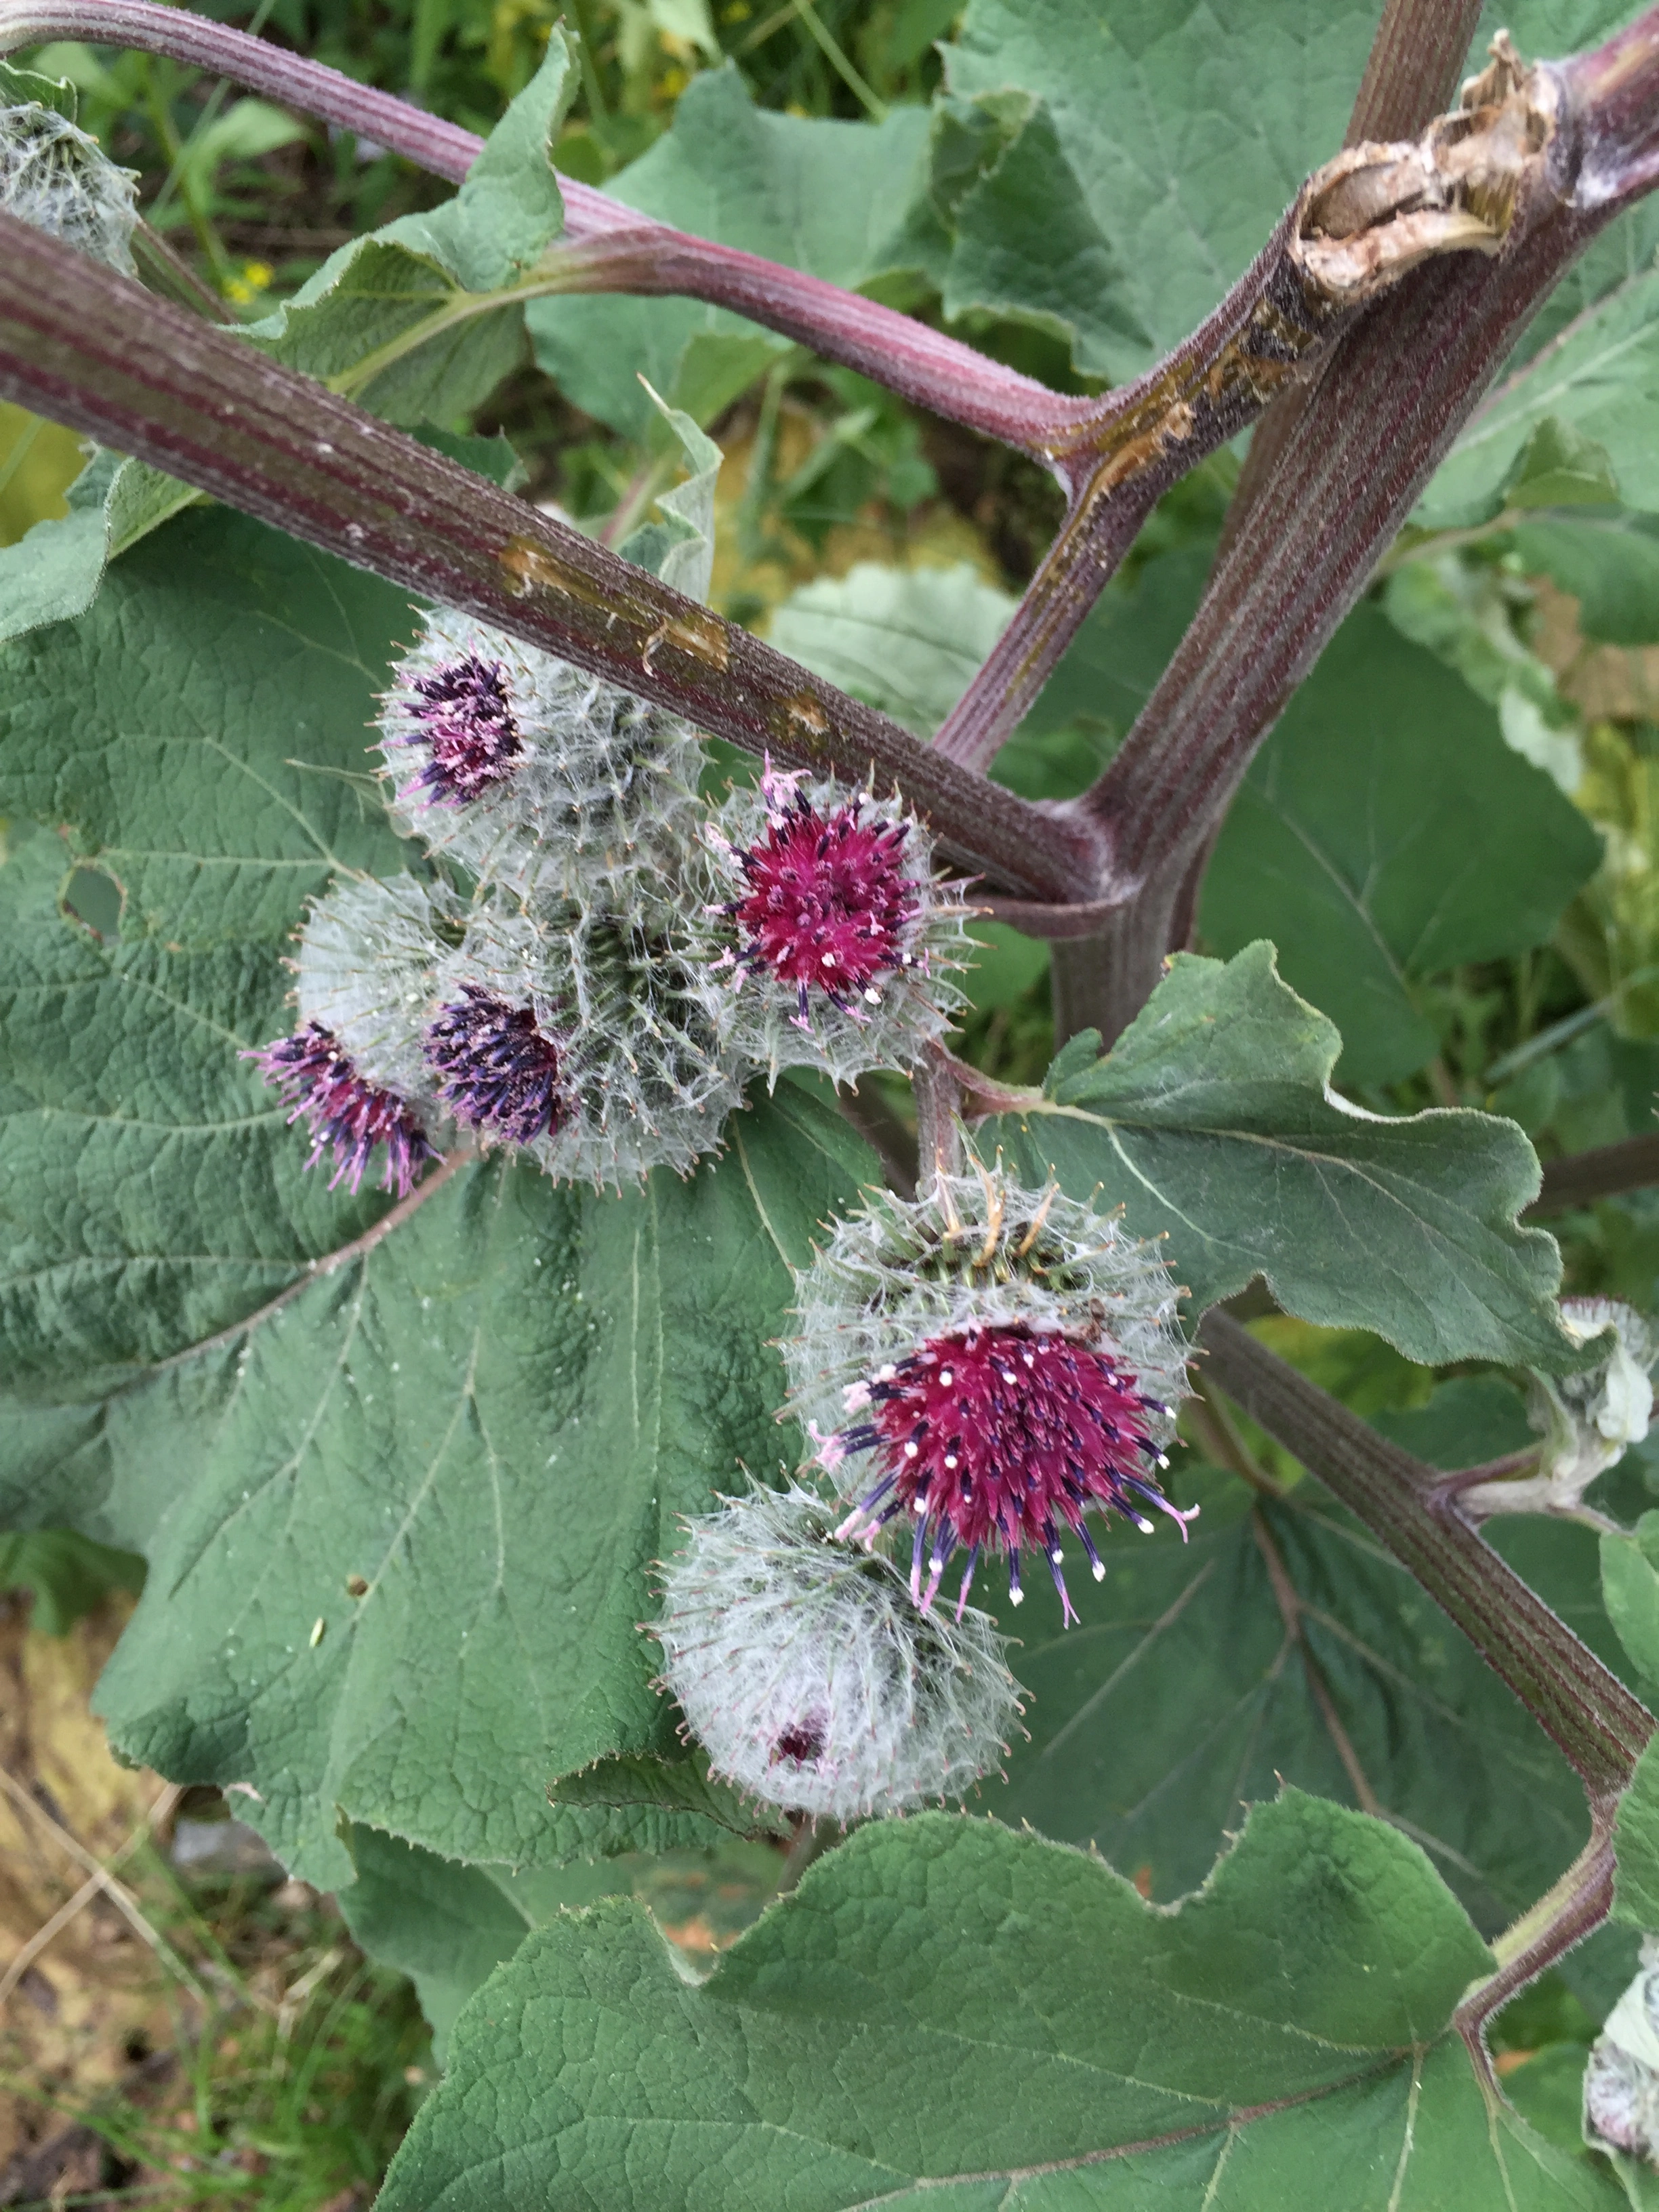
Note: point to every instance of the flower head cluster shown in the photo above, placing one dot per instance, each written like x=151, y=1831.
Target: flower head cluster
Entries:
x=840, y=945
x=55, y=178
x=810, y=1678
x=593, y=1012
x=536, y=776
x=346, y=1114
x=563, y=980
x=1003, y=1362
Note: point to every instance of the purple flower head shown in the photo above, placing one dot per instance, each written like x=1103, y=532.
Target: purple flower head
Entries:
x=344, y=1111
x=496, y=1070
x=828, y=900
x=998, y=1439
x=464, y=716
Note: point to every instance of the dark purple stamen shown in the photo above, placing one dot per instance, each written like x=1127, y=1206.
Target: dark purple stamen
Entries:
x=342, y=1111
x=495, y=1068
x=1000, y=1437
x=465, y=717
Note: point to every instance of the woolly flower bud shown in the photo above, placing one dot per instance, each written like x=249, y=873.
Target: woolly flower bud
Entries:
x=365, y=972
x=1587, y=1421
x=530, y=772
x=1594, y=1416
x=345, y=1113
x=574, y=1034
x=838, y=942
x=56, y=177
x=1009, y=1359
x=810, y=1680
x=1621, y=2081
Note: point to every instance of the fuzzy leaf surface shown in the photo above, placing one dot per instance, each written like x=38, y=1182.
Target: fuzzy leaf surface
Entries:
x=494, y=1418
x=1600, y=382
x=1187, y=133
x=947, y=2012
x=1386, y=832
x=1183, y=1695
x=1212, y=1120
x=907, y=641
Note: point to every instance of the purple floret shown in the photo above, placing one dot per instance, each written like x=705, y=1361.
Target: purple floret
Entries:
x=464, y=716
x=495, y=1069
x=343, y=1110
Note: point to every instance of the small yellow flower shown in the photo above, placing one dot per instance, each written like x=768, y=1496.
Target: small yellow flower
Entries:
x=256, y=277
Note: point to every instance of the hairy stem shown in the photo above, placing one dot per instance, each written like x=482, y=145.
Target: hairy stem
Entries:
x=1411, y=74
x=1388, y=402
x=1573, y=1909
x=1411, y=70
x=87, y=347
x=1598, y=1727
x=607, y=246
x=1273, y=326
x=1582, y=1177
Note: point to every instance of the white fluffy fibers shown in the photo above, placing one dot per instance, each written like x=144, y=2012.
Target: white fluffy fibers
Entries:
x=57, y=179
x=365, y=972
x=811, y=1679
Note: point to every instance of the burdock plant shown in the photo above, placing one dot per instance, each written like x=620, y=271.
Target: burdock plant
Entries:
x=640, y=1425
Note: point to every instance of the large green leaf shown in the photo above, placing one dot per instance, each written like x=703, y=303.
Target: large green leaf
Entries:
x=493, y=1417
x=202, y=730
x=829, y=197
x=1279, y=1643
x=1602, y=382
x=1212, y=1121
x=948, y=2013
x=1188, y=132
x=905, y=639
x=1385, y=831
x=150, y=1192
x=1184, y=1691
x=447, y=1925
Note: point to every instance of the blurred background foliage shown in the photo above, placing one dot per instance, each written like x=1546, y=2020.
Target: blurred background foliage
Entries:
x=248, y=2055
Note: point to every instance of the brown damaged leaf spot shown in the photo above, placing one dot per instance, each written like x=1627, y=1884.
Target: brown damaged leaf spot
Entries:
x=1378, y=211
